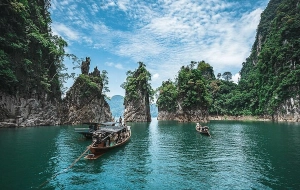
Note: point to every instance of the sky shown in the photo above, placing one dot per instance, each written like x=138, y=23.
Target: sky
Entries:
x=163, y=34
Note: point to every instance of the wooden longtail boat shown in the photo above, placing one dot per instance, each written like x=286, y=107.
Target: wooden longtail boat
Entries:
x=107, y=138
x=203, y=130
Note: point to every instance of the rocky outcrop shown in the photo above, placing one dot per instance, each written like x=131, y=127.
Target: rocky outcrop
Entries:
x=22, y=112
x=289, y=110
x=166, y=116
x=137, y=95
x=84, y=101
x=192, y=116
x=137, y=110
x=197, y=115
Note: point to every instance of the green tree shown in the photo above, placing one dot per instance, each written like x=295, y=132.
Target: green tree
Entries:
x=227, y=76
x=138, y=80
x=167, y=99
x=31, y=57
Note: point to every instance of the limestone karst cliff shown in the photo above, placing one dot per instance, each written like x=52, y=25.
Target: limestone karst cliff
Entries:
x=84, y=101
x=17, y=111
x=186, y=99
x=270, y=75
x=137, y=95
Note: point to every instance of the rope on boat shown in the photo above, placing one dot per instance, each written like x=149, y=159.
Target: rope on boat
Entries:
x=65, y=170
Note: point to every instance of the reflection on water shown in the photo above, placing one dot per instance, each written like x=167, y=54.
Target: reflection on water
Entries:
x=160, y=154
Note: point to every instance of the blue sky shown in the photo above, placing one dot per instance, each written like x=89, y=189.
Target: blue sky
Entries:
x=164, y=34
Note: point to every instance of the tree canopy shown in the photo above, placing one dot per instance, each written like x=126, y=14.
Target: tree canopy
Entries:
x=31, y=56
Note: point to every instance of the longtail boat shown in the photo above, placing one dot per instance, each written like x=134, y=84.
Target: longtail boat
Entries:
x=203, y=130
x=107, y=138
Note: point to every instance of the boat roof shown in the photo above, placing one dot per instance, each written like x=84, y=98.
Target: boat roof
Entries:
x=109, y=123
x=112, y=129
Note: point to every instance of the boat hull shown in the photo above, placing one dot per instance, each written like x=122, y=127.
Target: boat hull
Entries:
x=102, y=148
x=204, y=132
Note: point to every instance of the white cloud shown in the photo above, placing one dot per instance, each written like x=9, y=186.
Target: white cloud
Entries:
x=119, y=66
x=164, y=34
x=236, y=78
x=108, y=4
x=122, y=4
x=155, y=76
x=65, y=31
x=116, y=65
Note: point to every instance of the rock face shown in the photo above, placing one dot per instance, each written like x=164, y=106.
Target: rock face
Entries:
x=288, y=111
x=138, y=110
x=84, y=101
x=137, y=95
x=184, y=116
x=273, y=65
x=21, y=112
x=166, y=116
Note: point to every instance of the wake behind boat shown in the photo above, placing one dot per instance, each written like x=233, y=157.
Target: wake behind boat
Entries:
x=106, y=138
x=203, y=130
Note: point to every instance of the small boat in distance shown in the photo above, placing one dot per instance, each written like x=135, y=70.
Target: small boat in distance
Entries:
x=107, y=138
x=203, y=130
x=88, y=132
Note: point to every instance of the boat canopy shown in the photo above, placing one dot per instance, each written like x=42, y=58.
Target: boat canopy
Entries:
x=109, y=123
x=111, y=129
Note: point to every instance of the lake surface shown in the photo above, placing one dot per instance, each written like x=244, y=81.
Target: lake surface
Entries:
x=160, y=155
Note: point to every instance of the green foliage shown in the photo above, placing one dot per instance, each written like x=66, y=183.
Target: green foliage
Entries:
x=31, y=57
x=227, y=76
x=206, y=70
x=167, y=100
x=190, y=89
x=271, y=73
x=269, y=76
x=138, y=80
x=89, y=85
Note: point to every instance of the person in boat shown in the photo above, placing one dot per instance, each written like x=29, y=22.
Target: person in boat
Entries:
x=120, y=120
x=198, y=126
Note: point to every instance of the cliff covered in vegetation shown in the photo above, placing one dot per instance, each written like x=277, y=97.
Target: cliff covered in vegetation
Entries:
x=186, y=99
x=31, y=72
x=31, y=61
x=85, y=101
x=270, y=77
x=269, y=85
x=137, y=95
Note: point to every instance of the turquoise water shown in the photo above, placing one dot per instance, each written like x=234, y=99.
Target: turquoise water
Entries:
x=160, y=155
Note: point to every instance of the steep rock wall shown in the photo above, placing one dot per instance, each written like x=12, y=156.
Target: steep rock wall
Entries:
x=166, y=116
x=137, y=110
x=288, y=111
x=85, y=103
x=193, y=115
x=21, y=112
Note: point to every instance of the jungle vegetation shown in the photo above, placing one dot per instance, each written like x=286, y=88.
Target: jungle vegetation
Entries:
x=269, y=77
x=138, y=81
x=31, y=62
x=31, y=56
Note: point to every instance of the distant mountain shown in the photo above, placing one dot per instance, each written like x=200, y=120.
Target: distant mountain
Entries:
x=117, y=107
x=153, y=110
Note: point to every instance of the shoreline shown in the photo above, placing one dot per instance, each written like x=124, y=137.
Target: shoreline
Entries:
x=252, y=118
x=11, y=124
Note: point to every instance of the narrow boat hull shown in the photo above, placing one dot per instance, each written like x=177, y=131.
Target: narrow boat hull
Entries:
x=204, y=132
x=100, y=149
